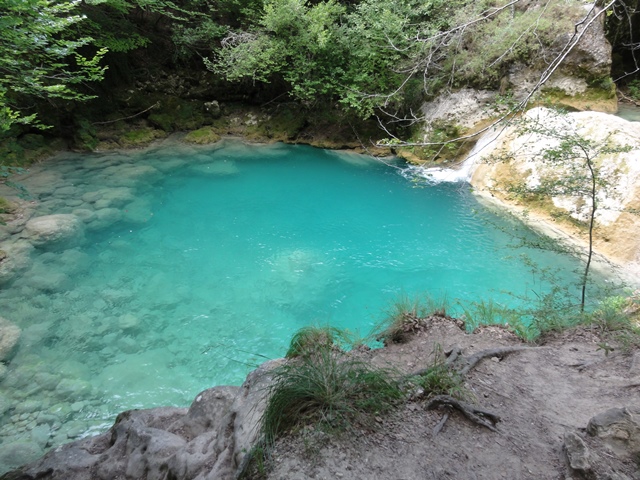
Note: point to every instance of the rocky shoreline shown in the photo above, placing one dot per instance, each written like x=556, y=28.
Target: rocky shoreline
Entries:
x=566, y=409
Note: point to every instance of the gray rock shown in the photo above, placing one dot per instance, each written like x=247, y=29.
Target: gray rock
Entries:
x=9, y=338
x=54, y=231
x=17, y=260
x=41, y=435
x=577, y=452
x=16, y=454
x=619, y=428
x=208, y=441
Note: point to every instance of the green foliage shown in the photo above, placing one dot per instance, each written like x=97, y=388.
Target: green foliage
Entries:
x=613, y=320
x=327, y=389
x=313, y=339
x=387, y=55
x=634, y=89
x=37, y=60
x=407, y=316
x=438, y=379
x=6, y=206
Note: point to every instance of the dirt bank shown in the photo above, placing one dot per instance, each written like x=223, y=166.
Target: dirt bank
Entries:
x=542, y=395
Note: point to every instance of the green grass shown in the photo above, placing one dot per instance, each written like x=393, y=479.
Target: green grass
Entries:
x=328, y=389
x=407, y=316
x=313, y=339
x=438, y=379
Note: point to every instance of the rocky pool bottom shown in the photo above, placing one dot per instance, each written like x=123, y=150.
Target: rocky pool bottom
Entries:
x=137, y=279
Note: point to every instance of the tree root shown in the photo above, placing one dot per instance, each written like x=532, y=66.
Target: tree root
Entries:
x=470, y=362
x=477, y=415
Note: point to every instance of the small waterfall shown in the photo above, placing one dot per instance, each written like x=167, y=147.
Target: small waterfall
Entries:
x=462, y=172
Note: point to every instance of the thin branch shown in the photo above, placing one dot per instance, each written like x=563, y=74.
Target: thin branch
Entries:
x=157, y=104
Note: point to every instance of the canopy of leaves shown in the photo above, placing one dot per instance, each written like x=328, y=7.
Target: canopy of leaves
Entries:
x=387, y=54
x=37, y=60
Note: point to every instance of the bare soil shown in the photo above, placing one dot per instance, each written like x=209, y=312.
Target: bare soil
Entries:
x=540, y=394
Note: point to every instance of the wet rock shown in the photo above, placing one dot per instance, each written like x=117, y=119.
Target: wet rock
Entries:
x=47, y=280
x=128, y=322
x=9, y=338
x=41, y=435
x=54, y=231
x=18, y=259
x=138, y=211
x=84, y=214
x=104, y=218
x=13, y=455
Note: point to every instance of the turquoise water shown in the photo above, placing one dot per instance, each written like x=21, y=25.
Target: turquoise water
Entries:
x=197, y=264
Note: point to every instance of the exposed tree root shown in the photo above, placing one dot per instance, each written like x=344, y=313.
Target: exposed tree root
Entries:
x=470, y=362
x=477, y=415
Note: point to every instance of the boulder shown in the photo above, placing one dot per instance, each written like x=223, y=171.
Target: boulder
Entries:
x=54, y=231
x=619, y=428
x=17, y=258
x=207, y=441
x=511, y=156
x=9, y=338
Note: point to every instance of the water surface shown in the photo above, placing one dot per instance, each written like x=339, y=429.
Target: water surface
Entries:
x=197, y=264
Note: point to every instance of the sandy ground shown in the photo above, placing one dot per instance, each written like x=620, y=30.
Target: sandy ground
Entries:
x=540, y=394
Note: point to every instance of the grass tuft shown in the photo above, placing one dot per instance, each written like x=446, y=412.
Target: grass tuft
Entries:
x=327, y=388
x=438, y=379
x=314, y=339
x=407, y=316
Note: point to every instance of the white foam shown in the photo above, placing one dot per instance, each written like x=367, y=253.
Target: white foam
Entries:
x=462, y=172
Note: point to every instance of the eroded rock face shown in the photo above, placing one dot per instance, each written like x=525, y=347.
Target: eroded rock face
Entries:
x=617, y=225
x=54, y=231
x=207, y=441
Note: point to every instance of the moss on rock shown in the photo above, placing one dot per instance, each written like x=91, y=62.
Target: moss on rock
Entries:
x=140, y=137
x=203, y=136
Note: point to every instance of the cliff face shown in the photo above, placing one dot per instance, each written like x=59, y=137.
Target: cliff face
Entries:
x=515, y=159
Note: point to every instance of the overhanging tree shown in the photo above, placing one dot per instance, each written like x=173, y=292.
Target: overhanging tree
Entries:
x=37, y=59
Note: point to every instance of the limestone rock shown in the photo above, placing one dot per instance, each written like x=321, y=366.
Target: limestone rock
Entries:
x=207, y=441
x=619, y=428
x=9, y=338
x=617, y=226
x=51, y=231
x=17, y=259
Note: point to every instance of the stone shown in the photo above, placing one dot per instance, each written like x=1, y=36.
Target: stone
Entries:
x=51, y=231
x=128, y=322
x=18, y=259
x=577, y=452
x=9, y=338
x=619, y=428
x=16, y=454
x=207, y=441
x=41, y=435
x=104, y=218
x=49, y=281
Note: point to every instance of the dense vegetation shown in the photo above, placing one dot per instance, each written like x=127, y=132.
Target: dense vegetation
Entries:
x=365, y=57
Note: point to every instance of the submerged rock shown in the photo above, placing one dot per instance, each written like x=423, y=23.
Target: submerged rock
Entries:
x=9, y=337
x=54, y=231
